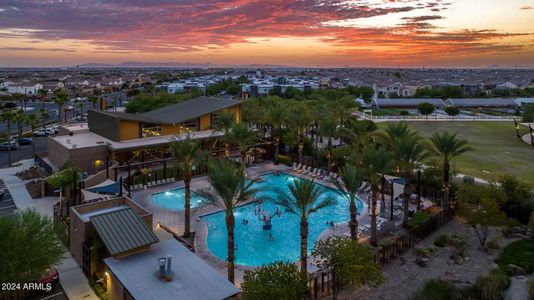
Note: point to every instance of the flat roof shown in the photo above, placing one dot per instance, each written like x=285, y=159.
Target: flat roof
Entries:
x=190, y=109
x=91, y=139
x=193, y=278
x=122, y=230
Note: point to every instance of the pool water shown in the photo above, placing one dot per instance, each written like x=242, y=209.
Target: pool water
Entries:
x=253, y=246
x=175, y=199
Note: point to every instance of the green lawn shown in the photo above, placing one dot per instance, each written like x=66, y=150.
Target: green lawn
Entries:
x=497, y=149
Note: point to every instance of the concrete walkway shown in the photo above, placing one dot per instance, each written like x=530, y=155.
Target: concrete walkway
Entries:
x=72, y=279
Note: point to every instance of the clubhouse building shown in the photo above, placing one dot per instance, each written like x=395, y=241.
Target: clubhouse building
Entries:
x=129, y=138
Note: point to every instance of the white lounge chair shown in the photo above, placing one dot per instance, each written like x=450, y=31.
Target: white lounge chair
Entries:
x=296, y=167
x=293, y=166
x=305, y=169
x=318, y=173
x=313, y=172
x=308, y=171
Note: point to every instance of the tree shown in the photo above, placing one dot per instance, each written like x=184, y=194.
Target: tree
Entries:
x=303, y=199
x=358, y=133
x=328, y=127
x=452, y=110
x=277, y=280
x=32, y=120
x=43, y=114
x=224, y=123
x=243, y=137
x=351, y=263
x=20, y=98
x=93, y=99
x=60, y=98
x=348, y=188
x=42, y=94
x=8, y=116
x=528, y=112
x=29, y=247
x=276, y=117
x=446, y=146
x=230, y=189
x=426, y=108
x=19, y=119
x=300, y=120
x=519, y=202
x=479, y=205
x=188, y=155
x=408, y=153
x=392, y=132
x=375, y=162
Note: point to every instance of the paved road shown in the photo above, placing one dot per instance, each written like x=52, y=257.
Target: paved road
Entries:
x=57, y=293
x=23, y=152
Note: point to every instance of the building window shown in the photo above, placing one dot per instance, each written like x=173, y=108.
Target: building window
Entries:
x=188, y=126
x=148, y=130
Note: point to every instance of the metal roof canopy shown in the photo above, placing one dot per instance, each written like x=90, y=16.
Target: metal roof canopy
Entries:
x=122, y=230
x=194, y=279
x=190, y=109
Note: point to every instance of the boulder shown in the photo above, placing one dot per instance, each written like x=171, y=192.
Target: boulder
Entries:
x=457, y=259
x=420, y=262
x=516, y=270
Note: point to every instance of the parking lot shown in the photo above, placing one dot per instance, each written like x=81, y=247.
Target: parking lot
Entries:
x=23, y=152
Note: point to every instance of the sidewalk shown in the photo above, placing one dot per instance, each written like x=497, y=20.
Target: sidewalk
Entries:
x=72, y=279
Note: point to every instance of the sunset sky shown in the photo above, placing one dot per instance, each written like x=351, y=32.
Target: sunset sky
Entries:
x=318, y=33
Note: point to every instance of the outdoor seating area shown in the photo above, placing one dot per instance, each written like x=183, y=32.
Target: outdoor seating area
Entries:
x=157, y=182
x=318, y=173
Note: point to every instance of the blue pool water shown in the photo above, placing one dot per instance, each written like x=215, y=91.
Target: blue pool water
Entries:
x=175, y=199
x=253, y=247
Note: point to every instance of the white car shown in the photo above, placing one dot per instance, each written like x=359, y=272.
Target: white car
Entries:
x=40, y=132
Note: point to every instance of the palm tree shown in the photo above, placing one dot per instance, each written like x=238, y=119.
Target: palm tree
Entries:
x=358, y=133
x=348, y=188
x=408, y=153
x=187, y=155
x=19, y=119
x=230, y=189
x=276, y=116
x=304, y=199
x=447, y=146
x=43, y=114
x=32, y=120
x=7, y=116
x=375, y=162
x=42, y=94
x=93, y=99
x=299, y=121
x=20, y=98
x=224, y=124
x=242, y=136
x=60, y=98
x=393, y=131
x=329, y=129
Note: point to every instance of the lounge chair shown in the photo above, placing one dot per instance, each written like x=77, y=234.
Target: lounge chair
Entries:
x=293, y=166
x=296, y=167
x=305, y=169
x=308, y=172
x=313, y=172
x=318, y=173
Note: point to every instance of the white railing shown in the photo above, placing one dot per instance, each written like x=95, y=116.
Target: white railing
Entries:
x=435, y=118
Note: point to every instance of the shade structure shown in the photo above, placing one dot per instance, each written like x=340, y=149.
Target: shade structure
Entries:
x=108, y=186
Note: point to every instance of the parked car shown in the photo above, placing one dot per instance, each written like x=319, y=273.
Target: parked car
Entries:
x=11, y=144
x=50, y=276
x=52, y=130
x=22, y=141
x=40, y=132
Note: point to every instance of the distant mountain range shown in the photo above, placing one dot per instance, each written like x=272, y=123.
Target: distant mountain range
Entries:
x=174, y=65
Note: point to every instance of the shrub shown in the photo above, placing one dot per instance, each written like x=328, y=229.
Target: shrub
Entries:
x=458, y=242
x=491, y=286
x=284, y=160
x=519, y=253
x=418, y=219
x=424, y=252
x=530, y=283
x=404, y=113
x=436, y=289
x=277, y=280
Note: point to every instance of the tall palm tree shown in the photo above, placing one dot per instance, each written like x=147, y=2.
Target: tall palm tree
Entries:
x=187, y=154
x=300, y=121
x=93, y=99
x=329, y=129
x=447, y=146
x=230, y=189
x=43, y=115
x=7, y=116
x=276, y=117
x=42, y=95
x=304, y=199
x=375, y=162
x=359, y=133
x=32, y=120
x=60, y=98
x=242, y=136
x=19, y=119
x=348, y=188
x=20, y=98
x=408, y=153
x=224, y=124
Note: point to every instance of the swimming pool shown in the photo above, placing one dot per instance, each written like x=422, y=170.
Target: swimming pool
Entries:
x=253, y=246
x=175, y=199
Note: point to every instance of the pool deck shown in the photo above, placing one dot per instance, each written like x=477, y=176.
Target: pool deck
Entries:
x=174, y=220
